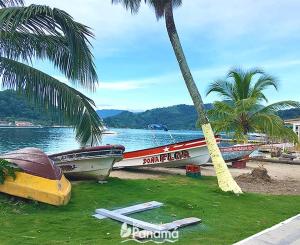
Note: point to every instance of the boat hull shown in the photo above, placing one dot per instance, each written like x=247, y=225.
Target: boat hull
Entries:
x=54, y=192
x=172, y=155
x=37, y=179
x=89, y=163
x=98, y=169
x=237, y=152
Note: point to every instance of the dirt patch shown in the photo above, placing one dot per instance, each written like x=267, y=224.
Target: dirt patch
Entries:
x=279, y=179
x=258, y=175
x=259, y=181
x=275, y=187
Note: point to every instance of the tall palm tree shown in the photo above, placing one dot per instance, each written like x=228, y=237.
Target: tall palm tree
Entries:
x=164, y=8
x=40, y=32
x=242, y=111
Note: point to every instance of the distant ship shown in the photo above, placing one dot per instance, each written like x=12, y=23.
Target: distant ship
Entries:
x=157, y=127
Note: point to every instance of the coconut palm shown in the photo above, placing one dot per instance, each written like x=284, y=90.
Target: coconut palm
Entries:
x=40, y=32
x=164, y=8
x=242, y=111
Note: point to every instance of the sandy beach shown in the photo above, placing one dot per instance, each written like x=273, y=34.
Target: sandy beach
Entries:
x=285, y=178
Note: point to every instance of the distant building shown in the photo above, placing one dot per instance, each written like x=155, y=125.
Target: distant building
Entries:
x=296, y=125
x=5, y=123
x=23, y=124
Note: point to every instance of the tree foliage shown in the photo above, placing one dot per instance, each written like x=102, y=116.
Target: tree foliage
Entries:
x=40, y=32
x=7, y=170
x=242, y=110
x=159, y=6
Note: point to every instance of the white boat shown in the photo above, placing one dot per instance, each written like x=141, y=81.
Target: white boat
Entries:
x=172, y=155
x=257, y=136
x=89, y=163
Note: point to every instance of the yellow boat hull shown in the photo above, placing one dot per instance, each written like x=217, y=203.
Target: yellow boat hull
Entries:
x=55, y=192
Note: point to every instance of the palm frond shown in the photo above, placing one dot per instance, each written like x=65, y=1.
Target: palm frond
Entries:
x=11, y=3
x=159, y=6
x=43, y=20
x=26, y=46
x=273, y=126
x=223, y=87
x=247, y=106
x=53, y=95
x=275, y=107
x=132, y=5
x=248, y=79
x=221, y=108
x=262, y=83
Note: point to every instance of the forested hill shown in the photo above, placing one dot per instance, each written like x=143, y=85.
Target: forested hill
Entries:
x=15, y=107
x=174, y=117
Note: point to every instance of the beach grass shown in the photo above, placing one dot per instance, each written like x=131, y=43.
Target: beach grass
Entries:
x=226, y=218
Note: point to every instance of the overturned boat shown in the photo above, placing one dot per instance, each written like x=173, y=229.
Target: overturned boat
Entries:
x=38, y=179
x=89, y=163
x=171, y=155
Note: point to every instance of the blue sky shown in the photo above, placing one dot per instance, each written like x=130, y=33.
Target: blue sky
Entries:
x=138, y=70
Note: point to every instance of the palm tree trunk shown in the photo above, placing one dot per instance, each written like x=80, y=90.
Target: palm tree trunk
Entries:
x=225, y=180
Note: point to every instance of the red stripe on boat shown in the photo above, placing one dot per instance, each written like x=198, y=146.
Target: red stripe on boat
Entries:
x=168, y=148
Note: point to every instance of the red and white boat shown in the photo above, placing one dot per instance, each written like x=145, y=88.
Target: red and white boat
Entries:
x=237, y=152
x=172, y=155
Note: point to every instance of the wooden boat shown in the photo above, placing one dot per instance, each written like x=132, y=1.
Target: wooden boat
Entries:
x=89, y=163
x=172, y=155
x=237, y=152
x=39, y=179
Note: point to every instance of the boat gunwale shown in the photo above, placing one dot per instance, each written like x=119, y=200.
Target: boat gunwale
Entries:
x=89, y=149
x=87, y=158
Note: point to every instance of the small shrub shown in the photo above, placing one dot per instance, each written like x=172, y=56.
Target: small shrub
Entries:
x=6, y=169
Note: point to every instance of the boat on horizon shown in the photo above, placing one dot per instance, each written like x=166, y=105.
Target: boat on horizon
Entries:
x=157, y=127
x=106, y=130
x=89, y=163
x=38, y=179
x=171, y=155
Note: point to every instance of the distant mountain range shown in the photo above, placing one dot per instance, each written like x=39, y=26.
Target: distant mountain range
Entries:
x=174, y=117
x=14, y=107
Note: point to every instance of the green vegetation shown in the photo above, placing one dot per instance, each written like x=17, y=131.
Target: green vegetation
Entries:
x=40, y=32
x=6, y=170
x=242, y=111
x=16, y=107
x=226, y=218
x=175, y=117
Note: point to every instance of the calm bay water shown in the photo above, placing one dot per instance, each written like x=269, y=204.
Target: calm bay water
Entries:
x=53, y=140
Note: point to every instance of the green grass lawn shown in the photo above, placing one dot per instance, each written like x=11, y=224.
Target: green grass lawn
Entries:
x=226, y=218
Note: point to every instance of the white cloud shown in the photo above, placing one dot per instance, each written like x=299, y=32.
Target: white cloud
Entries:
x=116, y=29
x=201, y=75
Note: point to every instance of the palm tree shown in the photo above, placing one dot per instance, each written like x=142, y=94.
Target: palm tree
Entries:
x=40, y=32
x=164, y=8
x=242, y=111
